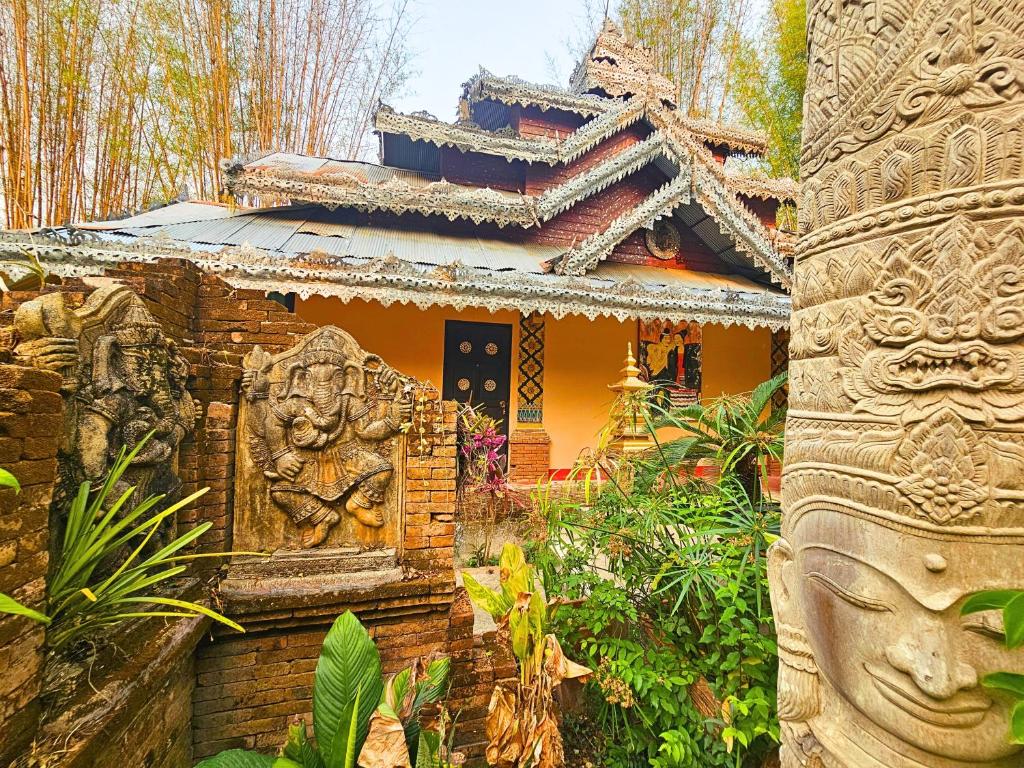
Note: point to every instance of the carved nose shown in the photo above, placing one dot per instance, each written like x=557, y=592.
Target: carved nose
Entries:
x=929, y=659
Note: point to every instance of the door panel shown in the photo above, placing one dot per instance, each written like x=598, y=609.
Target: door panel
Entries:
x=478, y=366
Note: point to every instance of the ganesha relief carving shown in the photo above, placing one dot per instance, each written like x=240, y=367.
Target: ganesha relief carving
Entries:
x=321, y=424
x=903, y=481
x=123, y=379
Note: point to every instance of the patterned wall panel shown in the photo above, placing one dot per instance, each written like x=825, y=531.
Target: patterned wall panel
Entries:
x=780, y=363
x=531, y=369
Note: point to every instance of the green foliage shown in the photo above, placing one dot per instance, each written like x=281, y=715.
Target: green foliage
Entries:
x=675, y=616
x=7, y=480
x=768, y=83
x=347, y=689
x=739, y=433
x=1011, y=603
x=79, y=601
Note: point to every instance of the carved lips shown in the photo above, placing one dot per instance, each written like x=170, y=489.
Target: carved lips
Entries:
x=965, y=710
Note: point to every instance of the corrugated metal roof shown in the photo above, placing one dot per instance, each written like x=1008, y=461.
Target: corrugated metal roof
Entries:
x=176, y=212
x=304, y=229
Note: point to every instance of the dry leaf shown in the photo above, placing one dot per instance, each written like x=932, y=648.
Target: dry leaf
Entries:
x=385, y=743
x=560, y=667
x=504, y=736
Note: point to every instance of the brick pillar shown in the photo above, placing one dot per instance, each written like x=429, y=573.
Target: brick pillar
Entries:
x=31, y=415
x=529, y=455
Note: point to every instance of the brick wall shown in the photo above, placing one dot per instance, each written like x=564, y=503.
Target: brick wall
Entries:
x=478, y=664
x=30, y=422
x=232, y=690
x=529, y=456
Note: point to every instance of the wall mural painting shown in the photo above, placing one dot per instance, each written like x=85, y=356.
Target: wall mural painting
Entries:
x=321, y=424
x=670, y=357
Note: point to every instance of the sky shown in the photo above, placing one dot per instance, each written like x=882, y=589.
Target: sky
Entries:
x=452, y=39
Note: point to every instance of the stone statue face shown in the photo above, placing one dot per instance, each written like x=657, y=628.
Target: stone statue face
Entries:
x=320, y=383
x=142, y=367
x=881, y=611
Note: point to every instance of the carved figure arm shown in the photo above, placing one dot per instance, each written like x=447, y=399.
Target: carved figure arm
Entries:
x=286, y=462
x=390, y=413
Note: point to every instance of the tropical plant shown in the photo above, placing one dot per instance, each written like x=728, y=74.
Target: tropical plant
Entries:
x=81, y=599
x=357, y=714
x=522, y=721
x=738, y=432
x=482, y=468
x=1011, y=603
x=663, y=588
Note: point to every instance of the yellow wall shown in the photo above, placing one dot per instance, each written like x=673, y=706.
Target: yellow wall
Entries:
x=581, y=358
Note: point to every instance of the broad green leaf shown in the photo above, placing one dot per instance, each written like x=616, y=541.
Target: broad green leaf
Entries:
x=347, y=687
x=7, y=480
x=299, y=748
x=12, y=606
x=242, y=758
x=495, y=603
x=516, y=575
x=993, y=599
x=1005, y=681
x=1017, y=723
x=1013, y=618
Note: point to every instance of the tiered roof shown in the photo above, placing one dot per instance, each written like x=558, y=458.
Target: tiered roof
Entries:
x=363, y=230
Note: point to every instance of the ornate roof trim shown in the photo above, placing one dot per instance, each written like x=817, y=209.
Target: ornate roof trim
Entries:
x=442, y=198
x=389, y=280
x=782, y=189
x=584, y=257
x=515, y=91
x=465, y=138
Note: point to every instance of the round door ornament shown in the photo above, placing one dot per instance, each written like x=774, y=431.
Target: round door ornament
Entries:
x=465, y=347
x=490, y=385
x=663, y=241
x=462, y=384
x=491, y=348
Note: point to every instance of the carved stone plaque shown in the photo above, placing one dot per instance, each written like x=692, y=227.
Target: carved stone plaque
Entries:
x=903, y=488
x=320, y=450
x=123, y=379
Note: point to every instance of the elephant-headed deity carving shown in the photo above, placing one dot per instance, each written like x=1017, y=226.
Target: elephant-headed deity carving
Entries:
x=123, y=380
x=320, y=422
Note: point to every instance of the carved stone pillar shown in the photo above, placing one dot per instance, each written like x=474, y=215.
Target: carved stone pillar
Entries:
x=903, y=489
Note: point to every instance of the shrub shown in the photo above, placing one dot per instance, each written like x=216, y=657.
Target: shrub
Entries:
x=664, y=587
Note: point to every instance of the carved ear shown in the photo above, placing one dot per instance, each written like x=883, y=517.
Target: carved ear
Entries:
x=103, y=378
x=780, y=581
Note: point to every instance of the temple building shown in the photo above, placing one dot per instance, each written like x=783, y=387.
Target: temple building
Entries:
x=509, y=256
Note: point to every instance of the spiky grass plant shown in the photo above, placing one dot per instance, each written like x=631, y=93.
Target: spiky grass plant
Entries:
x=80, y=602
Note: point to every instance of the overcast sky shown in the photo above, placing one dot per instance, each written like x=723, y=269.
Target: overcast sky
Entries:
x=453, y=38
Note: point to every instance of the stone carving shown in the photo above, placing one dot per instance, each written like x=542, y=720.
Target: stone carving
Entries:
x=123, y=378
x=320, y=425
x=904, y=475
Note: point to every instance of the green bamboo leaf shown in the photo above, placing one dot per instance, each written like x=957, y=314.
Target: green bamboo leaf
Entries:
x=349, y=667
x=186, y=605
x=12, y=606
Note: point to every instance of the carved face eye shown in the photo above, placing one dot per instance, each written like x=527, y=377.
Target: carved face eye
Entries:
x=987, y=623
x=896, y=326
x=1002, y=321
x=848, y=595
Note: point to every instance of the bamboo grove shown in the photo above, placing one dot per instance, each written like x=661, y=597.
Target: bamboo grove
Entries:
x=108, y=106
